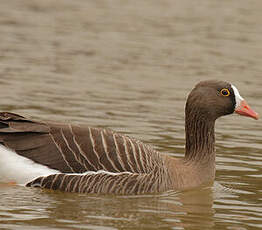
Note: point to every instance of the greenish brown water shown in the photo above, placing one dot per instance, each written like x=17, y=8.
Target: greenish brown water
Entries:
x=129, y=65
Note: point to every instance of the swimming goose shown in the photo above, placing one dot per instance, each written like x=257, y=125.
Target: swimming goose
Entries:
x=78, y=158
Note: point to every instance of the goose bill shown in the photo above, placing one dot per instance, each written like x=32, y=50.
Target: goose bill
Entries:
x=245, y=110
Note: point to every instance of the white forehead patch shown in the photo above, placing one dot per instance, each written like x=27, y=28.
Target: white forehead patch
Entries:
x=238, y=98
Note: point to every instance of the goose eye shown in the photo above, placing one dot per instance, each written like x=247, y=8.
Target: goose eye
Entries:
x=225, y=92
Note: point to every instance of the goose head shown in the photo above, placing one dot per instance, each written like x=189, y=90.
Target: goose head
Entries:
x=213, y=99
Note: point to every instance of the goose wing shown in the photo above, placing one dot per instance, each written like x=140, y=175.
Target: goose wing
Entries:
x=75, y=148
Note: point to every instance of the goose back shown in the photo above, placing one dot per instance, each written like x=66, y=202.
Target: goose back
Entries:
x=74, y=148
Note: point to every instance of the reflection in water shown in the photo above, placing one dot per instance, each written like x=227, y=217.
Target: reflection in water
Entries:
x=184, y=209
x=195, y=206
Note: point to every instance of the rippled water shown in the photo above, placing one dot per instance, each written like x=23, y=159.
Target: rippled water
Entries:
x=128, y=65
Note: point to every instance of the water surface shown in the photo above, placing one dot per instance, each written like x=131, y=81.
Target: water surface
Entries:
x=129, y=66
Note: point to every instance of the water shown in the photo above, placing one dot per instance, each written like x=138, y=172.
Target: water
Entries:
x=128, y=66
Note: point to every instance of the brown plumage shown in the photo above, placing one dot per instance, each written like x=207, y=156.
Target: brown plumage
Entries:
x=92, y=160
x=74, y=149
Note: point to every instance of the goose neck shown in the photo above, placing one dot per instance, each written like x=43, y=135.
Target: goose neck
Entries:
x=200, y=137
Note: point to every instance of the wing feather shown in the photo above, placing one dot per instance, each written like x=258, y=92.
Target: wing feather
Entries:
x=75, y=148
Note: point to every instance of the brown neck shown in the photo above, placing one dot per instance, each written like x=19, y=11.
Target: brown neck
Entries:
x=200, y=137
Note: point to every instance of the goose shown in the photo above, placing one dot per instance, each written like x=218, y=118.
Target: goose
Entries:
x=83, y=159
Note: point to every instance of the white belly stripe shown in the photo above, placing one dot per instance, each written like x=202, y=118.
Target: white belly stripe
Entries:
x=18, y=169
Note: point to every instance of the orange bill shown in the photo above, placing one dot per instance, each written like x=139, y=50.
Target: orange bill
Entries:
x=245, y=110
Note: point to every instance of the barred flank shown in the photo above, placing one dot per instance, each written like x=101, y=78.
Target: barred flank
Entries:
x=90, y=160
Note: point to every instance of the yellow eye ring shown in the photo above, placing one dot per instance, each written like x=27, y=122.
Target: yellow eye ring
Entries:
x=225, y=92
